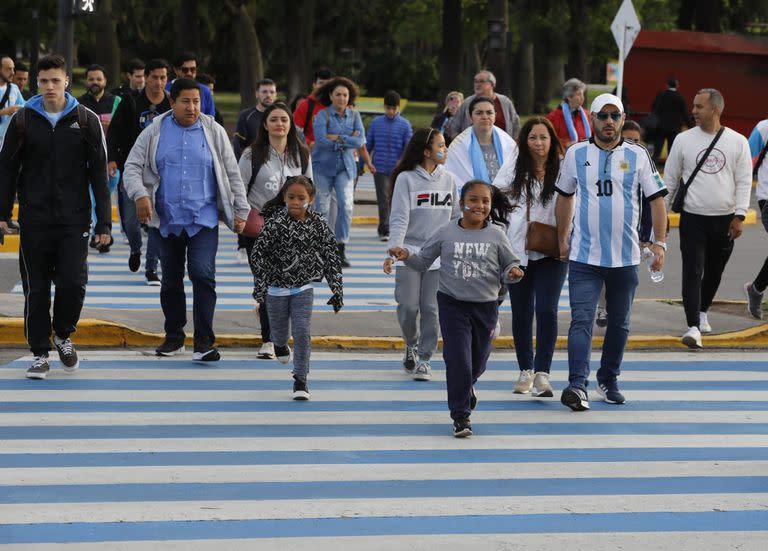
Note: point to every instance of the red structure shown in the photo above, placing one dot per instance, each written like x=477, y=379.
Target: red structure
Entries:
x=734, y=64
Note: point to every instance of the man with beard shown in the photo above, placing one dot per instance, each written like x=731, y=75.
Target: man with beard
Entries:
x=97, y=99
x=11, y=99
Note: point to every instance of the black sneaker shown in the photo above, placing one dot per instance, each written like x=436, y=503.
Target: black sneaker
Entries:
x=300, y=389
x=610, y=393
x=462, y=428
x=754, y=301
x=152, y=278
x=575, y=398
x=134, y=261
x=409, y=359
x=205, y=351
x=472, y=398
x=170, y=347
x=67, y=354
x=40, y=367
x=342, y=255
x=283, y=354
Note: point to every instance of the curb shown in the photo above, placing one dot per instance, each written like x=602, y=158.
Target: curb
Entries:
x=102, y=333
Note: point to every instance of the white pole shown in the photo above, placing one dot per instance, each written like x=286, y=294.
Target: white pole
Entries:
x=620, y=80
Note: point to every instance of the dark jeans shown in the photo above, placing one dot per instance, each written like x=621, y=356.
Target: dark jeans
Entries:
x=132, y=230
x=538, y=291
x=58, y=255
x=658, y=141
x=266, y=335
x=467, y=328
x=705, y=249
x=761, y=281
x=200, y=255
x=585, y=282
x=382, y=199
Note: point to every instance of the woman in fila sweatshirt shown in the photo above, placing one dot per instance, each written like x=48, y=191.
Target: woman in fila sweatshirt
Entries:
x=423, y=198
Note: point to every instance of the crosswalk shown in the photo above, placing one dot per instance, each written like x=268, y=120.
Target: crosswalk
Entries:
x=366, y=286
x=136, y=452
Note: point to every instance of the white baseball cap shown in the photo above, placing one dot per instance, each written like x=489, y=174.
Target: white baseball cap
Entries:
x=605, y=99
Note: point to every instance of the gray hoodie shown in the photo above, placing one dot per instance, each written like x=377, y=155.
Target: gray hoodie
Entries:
x=421, y=204
x=473, y=262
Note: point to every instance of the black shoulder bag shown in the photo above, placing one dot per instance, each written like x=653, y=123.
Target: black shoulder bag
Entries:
x=677, y=204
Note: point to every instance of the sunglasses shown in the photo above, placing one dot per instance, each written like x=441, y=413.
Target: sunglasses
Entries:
x=616, y=116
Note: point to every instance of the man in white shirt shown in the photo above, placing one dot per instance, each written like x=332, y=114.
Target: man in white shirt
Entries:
x=714, y=207
x=599, y=198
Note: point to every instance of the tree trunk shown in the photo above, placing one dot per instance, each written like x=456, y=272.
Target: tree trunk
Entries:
x=187, y=27
x=249, y=51
x=707, y=16
x=577, y=45
x=108, y=48
x=525, y=78
x=685, y=15
x=497, y=43
x=451, y=50
x=299, y=43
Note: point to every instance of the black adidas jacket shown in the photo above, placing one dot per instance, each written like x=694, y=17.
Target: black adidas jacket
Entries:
x=52, y=170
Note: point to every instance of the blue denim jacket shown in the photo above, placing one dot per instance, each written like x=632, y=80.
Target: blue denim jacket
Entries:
x=331, y=157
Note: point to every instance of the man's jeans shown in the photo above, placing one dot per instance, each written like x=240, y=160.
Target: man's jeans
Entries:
x=585, y=282
x=200, y=252
x=132, y=230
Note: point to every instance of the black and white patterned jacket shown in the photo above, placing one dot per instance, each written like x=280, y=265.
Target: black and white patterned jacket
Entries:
x=292, y=253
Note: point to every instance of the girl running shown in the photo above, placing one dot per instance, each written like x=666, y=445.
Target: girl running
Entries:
x=423, y=196
x=295, y=249
x=475, y=256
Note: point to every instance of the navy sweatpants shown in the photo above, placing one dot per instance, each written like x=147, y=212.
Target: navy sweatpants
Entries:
x=467, y=329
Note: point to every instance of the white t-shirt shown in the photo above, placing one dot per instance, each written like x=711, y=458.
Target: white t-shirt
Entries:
x=723, y=184
x=609, y=185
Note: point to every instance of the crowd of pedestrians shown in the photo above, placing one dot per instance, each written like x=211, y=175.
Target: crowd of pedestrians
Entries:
x=503, y=210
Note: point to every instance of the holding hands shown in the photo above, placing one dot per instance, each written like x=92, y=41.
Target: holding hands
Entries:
x=398, y=253
x=515, y=274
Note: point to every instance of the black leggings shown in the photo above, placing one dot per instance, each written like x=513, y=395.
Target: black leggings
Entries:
x=705, y=248
x=761, y=281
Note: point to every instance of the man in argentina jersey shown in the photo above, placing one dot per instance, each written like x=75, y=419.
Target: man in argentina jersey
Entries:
x=600, y=190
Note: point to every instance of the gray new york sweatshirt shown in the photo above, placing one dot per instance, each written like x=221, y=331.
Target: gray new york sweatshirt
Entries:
x=474, y=263
x=421, y=204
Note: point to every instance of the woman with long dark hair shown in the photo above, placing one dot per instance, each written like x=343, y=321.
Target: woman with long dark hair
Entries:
x=423, y=198
x=275, y=155
x=529, y=182
x=338, y=133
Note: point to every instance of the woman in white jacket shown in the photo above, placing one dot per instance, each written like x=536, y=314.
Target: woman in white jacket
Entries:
x=423, y=199
x=529, y=181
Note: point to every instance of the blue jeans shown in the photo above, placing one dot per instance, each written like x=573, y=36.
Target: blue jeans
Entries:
x=132, y=230
x=111, y=184
x=200, y=252
x=585, y=282
x=538, y=291
x=345, y=191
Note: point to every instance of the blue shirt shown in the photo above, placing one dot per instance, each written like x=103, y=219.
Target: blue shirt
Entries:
x=186, y=197
x=14, y=98
x=332, y=157
x=387, y=139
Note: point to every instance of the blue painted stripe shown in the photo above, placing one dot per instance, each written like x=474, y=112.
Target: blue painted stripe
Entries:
x=400, y=386
x=583, y=195
x=382, y=489
x=726, y=367
x=295, y=457
x=708, y=521
x=629, y=234
x=605, y=208
x=100, y=432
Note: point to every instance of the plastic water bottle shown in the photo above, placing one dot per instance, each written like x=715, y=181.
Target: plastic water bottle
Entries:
x=649, y=257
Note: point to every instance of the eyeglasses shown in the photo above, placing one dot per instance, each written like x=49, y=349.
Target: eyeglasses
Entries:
x=188, y=70
x=616, y=116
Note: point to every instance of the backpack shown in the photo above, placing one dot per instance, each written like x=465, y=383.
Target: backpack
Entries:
x=82, y=121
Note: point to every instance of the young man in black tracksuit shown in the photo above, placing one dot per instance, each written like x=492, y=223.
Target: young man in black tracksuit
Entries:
x=51, y=156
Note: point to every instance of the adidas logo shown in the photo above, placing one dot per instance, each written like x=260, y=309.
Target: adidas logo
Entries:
x=586, y=163
x=75, y=125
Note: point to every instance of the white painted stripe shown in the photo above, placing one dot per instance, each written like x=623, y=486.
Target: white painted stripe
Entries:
x=180, y=474
x=38, y=392
x=221, y=277
x=353, y=417
x=447, y=442
x=355, y=508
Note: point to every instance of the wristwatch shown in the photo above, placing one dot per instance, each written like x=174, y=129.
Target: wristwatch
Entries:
x=660, y=244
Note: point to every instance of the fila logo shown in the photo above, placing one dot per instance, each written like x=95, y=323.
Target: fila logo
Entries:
x=435, y=199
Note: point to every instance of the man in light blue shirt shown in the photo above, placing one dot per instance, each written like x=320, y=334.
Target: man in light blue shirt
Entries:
x=183, y=162
x=11, y=99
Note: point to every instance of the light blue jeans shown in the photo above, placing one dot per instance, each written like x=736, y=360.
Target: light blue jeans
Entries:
x=345, y=191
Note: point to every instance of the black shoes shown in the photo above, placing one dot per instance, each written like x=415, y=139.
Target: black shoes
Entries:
x=134, y=261
x=205, y=351
x=462, y=428
x=67, y=354
x=39, y=368
x=170, y=347
x=575, y=398
x=300, y=389
x=152, y=278
x=342, y=255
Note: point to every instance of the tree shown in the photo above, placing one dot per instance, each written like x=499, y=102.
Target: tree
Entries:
x=450, y=49
x=249, y=50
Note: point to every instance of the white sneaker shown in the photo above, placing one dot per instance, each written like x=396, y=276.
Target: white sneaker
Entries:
x=242, y=256
x=692, y=338
x=541, y=386
x=704, y=325
x=267, y=351
x=496, y=330
x=423, y=371
x=524, y=382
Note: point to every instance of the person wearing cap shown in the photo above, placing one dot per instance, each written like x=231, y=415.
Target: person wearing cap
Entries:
x=714, y=206
x=598, y=211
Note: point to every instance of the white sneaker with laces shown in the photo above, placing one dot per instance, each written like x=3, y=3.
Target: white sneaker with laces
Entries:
x=423, y=371
x=524, y=382
x=704, y=325
x=267, y=351
x=692, y=338
x=541, y=386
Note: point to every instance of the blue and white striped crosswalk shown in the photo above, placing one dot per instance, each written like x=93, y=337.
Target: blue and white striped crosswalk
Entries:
x=366, y=286
x=136, y=452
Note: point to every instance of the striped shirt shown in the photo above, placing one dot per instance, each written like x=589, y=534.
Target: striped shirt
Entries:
x=609, y=185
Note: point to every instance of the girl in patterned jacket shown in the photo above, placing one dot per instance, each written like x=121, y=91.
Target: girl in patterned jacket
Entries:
x=295, y=249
